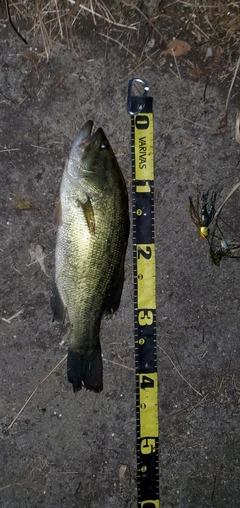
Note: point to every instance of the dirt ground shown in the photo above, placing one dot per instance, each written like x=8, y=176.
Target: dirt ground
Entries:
x=70, y=450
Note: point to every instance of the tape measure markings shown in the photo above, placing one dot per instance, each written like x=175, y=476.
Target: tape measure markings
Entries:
x=144, y=268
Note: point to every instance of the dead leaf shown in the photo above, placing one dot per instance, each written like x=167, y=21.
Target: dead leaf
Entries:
x=177, y=47
x=122, y=474
x=218, y=54
x=22, y=204
x=37, y=256
x=196, y=73
x=31, y=57
x=224, y=122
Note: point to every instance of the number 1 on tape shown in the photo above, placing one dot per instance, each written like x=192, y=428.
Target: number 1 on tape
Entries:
x=140, y=109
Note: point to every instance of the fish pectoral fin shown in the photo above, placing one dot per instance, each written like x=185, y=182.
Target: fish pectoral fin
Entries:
x=57, y=216
x=88, y=213
x=84, y=369
x=57, y=305
x=114, y=297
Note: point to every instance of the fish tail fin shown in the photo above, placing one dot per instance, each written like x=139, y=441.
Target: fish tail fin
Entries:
x=85, y=369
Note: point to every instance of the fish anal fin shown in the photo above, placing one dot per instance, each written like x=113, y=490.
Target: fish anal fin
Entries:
x=57, y=305
x=114, y=297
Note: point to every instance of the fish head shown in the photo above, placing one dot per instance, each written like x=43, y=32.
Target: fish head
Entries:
x=90, y=156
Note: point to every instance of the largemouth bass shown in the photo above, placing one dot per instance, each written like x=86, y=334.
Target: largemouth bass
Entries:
x=92, y=223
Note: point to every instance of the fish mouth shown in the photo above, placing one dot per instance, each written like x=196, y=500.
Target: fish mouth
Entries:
x=81, y=142
x=86, y=141
x=84, y=135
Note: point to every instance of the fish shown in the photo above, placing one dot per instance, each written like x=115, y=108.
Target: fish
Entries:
x=92, y=229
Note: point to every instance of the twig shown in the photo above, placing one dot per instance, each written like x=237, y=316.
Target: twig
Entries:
x=232, y=83
x=178, y=371
x=175, y=60
x=45, y=36
x=205, y=88
x=104, y=8
x=40, y=258
x=191, y=407
x=59, y=21
x=196, y=123
x=132, y=71
x=146, y=19
x=9, y=320
x=30, y=479
x=93, y=13
x=119, y=364
x=13, y=485
x=201, y=31
x=118, y=42
x=41, y=147
x=34, y=391
x=106, y=19
x=235, y=187
x=9, y=150
x=11, y=23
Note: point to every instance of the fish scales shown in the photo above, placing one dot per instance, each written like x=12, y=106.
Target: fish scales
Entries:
x=103, y=250
x=92, y=234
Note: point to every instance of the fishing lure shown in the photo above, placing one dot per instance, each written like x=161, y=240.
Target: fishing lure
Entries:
x=202, y=214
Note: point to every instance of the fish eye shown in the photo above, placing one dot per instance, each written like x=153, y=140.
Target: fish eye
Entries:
x=104, y=146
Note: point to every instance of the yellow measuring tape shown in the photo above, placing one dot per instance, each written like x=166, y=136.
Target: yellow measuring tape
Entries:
x=140, y=109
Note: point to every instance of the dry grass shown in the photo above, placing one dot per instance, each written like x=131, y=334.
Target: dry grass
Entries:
x=215, y=21
x=205, y=21
x=58, y=19
x=223, y=17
